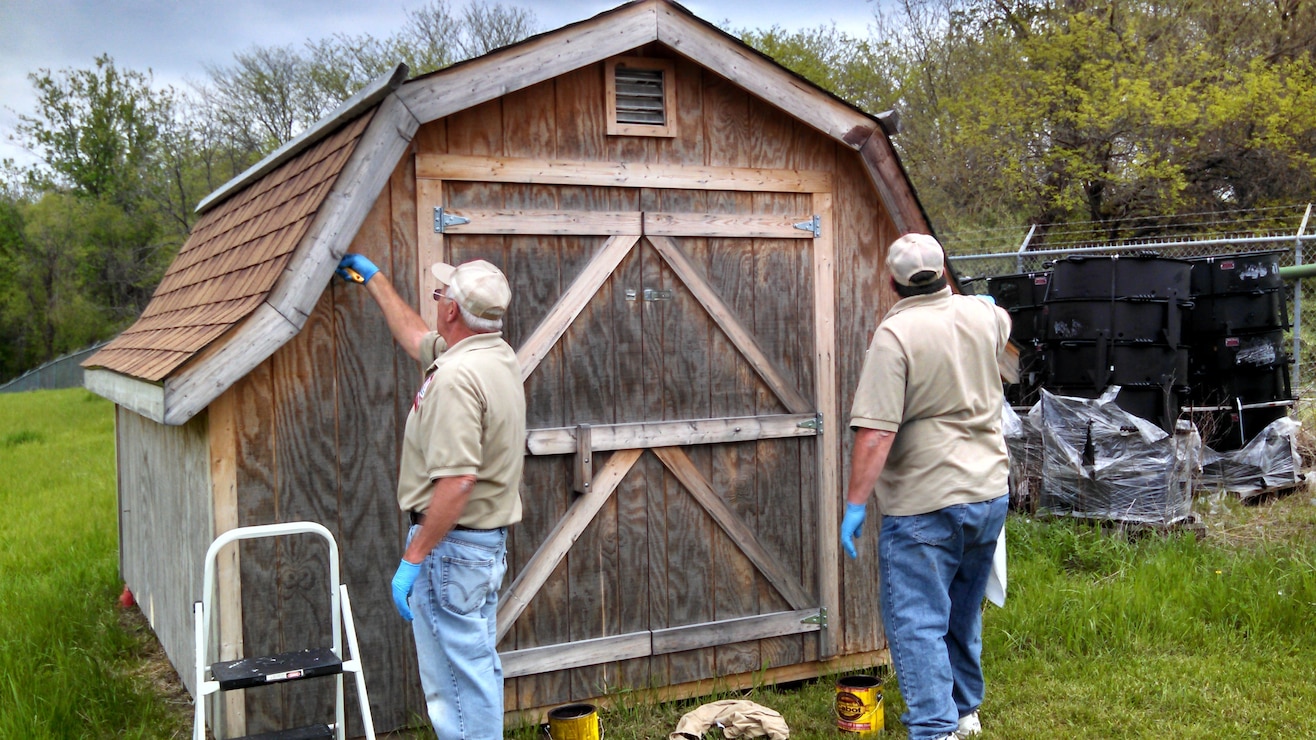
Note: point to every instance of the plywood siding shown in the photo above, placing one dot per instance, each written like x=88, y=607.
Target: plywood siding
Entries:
x=164, y=509
x=863, y=295
x=318, y=436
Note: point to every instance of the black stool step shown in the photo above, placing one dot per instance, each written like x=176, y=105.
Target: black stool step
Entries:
x=312, y=732
x=247, y=672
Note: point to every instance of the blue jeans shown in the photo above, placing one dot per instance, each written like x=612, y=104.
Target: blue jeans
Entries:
x=934, y=570
x=454, y=602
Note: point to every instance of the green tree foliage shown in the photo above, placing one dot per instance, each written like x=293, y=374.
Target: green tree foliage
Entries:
x=1097, y=112
x=94, y=129
x=857, y=70
x=16, y=343
x=59, y=265
x=88, y=230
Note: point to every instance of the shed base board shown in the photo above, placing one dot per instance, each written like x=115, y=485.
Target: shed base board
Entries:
x=710, y=686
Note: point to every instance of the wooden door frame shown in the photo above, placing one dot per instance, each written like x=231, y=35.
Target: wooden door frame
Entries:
x=663, y=439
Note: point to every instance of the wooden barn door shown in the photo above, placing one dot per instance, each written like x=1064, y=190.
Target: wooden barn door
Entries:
x=676, y=337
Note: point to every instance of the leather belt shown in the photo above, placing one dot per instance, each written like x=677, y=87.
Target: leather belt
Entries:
x=418, y=517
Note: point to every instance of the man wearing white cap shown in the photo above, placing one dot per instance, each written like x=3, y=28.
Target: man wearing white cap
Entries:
x=459, y=482
x=928, y=440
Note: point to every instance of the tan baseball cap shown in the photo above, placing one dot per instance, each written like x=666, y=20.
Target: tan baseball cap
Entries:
x=476, y=286
x=915, y=259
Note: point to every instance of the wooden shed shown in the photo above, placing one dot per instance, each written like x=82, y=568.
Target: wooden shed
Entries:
x=695, y=238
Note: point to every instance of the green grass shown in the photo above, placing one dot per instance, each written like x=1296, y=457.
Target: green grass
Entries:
x=1103, y=636
x=1110, y=636
x=71, y=666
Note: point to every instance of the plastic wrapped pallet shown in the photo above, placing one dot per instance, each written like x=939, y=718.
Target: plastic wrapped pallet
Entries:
x=1268, y=462
x=1024, y=444
x=1101, y=462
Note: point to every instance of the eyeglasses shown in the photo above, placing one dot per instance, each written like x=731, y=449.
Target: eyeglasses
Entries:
x=438, y=294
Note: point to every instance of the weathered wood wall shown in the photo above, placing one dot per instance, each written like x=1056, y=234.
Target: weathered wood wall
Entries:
x=164, y=510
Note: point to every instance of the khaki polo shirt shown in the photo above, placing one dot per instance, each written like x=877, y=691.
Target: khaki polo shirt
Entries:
x=468, y=418
x=931, y=377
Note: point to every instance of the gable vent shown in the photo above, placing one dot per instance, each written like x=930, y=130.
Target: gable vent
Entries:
x=640, y=97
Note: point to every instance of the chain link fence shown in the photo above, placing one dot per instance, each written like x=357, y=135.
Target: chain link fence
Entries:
x=63, y=372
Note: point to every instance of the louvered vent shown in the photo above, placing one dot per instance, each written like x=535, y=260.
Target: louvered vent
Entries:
x=640, y=97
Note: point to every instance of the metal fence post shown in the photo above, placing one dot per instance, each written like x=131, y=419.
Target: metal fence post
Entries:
x=1297, y=301
x=1024, y=247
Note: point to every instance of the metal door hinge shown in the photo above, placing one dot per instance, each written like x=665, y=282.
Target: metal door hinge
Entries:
x=816, y=424
x=819, y=619
x=813, y=225
x=443, y=220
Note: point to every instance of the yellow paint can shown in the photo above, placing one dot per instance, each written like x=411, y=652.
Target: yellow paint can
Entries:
x=575, y=722
x=859, y=705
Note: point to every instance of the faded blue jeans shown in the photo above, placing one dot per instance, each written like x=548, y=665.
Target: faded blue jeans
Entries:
x=934, y=574
x=454, y=602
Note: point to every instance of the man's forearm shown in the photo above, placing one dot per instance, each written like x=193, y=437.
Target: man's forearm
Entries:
x=871, y=447
x=447, y=500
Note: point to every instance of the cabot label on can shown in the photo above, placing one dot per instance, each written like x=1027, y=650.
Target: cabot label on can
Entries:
x=859, y=705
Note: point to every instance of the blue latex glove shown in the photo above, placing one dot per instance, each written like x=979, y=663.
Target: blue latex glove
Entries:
x=351, y=263
x=403, y=580
x=852, y=526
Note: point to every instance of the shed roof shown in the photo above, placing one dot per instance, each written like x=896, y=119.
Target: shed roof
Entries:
x=230, y=262
x=262, y=254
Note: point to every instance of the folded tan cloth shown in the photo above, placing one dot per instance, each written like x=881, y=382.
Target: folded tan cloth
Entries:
x=738, y=718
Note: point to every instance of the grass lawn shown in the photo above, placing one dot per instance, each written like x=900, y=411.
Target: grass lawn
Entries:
x=1189, y=635
x=72, y=664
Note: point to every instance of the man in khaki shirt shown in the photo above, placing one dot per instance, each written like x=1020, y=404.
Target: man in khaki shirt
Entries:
x=927, y=415
x=459, y=481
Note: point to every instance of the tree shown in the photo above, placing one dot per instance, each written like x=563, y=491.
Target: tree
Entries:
x=271, y=94
x=197, y=154
x=487, y=27
x=45, y=306
x=84, y=239
x=94, y=130
x=1100, y=112
x=16, y=350
x=857, y=70
x=266, y=97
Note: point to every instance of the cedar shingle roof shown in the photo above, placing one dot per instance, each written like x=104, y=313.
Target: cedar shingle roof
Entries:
x=230, y=262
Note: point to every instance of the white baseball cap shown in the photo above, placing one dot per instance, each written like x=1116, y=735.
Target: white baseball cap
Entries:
x=915, y=259
x=476, y=286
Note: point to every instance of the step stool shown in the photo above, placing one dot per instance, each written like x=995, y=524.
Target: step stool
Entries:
x=233, y=675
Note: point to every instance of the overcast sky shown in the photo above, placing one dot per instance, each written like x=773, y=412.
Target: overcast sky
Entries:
x=176, y=39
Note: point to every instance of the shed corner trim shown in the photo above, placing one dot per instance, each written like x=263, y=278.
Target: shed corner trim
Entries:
x=138, y=396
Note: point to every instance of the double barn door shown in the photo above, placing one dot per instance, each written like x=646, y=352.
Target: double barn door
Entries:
x=675, y=331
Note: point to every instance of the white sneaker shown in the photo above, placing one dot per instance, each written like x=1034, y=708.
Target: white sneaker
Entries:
x=969, y=726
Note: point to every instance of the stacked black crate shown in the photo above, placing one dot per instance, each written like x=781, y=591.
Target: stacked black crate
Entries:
x=1022, y=295
x=1119, y=321
x=1239, y=366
